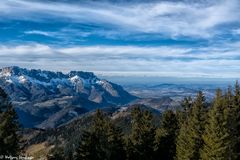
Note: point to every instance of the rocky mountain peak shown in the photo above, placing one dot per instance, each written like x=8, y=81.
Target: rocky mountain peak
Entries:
x=48, y=97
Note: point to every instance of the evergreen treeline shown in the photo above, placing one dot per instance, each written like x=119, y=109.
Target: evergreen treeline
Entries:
x=9, y=126
x=199, y=130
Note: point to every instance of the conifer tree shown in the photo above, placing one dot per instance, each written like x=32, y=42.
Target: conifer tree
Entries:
x=228, y=103
x=189, y=141
x=9, y=126
x=187, y=104
x=228, y=99
x=183, y=113
x=141, y=142
x=237, y=94
x=165, y=142
x=57, y=153
x=87, y=148
x=218, y=141
x=102, y=141
x=236, y=122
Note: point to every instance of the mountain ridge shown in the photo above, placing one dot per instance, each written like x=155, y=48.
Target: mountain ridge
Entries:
x=47, y=99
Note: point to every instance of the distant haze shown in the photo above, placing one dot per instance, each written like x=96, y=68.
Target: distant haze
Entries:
x=151, y=81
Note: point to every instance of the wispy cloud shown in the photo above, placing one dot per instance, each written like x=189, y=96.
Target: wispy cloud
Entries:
x=172, y=19
x=236, y=31
x=39, y=33
x=125, y=31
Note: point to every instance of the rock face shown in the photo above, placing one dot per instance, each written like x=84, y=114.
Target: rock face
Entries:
x=48, y=99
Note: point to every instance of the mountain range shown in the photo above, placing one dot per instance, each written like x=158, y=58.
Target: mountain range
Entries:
x=46, y=99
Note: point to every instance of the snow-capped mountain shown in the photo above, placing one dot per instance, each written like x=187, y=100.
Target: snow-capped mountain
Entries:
x=49, y=99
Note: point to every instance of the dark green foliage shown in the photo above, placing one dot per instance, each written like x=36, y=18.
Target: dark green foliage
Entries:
x=140, y=145
x=57, y=153
x=9, y=139
x=87, y=149
x=101, y=141
x=165, y=145
x=187, y=104
x=189, y=140
x=237, y=94
x=198, y=130
x=183, y=113
x=218, y=140
x=236, y=118
x=4, y=103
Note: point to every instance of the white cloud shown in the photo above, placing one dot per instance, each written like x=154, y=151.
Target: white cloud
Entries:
x=195, y=20
x=39, y=33
x=168, y=18
x=36, y=49
x=236, y=31
x=128, y=60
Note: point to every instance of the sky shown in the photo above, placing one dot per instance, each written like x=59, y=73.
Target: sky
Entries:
x=152, y=38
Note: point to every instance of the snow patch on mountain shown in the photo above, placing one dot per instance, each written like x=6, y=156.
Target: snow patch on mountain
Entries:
x=41, y=95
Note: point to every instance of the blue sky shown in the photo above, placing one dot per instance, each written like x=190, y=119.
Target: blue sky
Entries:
x=178, y=38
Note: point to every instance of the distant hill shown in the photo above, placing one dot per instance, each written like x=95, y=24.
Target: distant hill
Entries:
x=174, y=91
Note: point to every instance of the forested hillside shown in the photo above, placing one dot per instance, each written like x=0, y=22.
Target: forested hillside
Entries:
x=196, y=130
